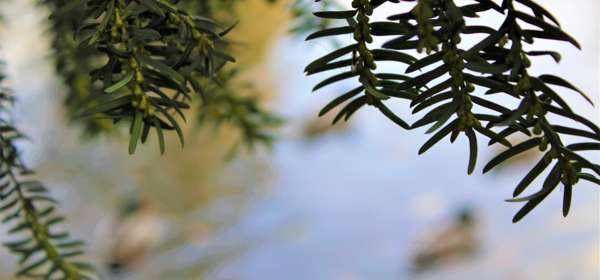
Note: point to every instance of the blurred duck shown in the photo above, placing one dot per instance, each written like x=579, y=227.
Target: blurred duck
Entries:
x=320, y=126
x=451, y=244
x=139, y=229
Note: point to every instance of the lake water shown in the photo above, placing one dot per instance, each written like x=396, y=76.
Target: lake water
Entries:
x=351, y=205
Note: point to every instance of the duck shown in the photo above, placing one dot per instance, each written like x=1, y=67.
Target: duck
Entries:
x=317, y=127
x=139, y=229
x=453, y=243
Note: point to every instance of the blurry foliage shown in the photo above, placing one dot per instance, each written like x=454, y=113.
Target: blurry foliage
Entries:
x=456, y=82
x=43, y=247
x=233, y=100
x=100, y=76
x=224, y=106
x=155, y=54
x=303, y=20
x=73, y=63
x=140, y=62
x=143, y=62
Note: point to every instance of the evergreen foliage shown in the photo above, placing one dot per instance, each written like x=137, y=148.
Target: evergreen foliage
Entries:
x=143, y=62
x=456, y=80
x=45, y=250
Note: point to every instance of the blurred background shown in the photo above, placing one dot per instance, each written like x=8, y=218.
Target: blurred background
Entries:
x=351, y=201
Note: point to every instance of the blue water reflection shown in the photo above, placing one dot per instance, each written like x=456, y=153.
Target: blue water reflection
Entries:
x=357, y=204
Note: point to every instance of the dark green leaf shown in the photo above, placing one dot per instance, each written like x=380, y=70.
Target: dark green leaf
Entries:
x=532, y=174
x=572, y=116
x=108, y=106
x=472, y=150
x=375, y=93
x=575, y=132
x=31, y=267
x=424, y=62
x=541, y=86
x=433, y=100
x=513, y=151
x=118, y=85
x=432, y=91
x=330, y=32
x=329, y=57
x=586, y=146
x=590, y=178
x=390, y=55
x=425, y=78
x=555, y=55
x=386, y=28
x=438, y=136
x=492, y=135
x=484, y=67
x=583, y=161
x=390, y=115
x=548, y=28
x=334, y=79
x=489, y=83
x=448, y=112
x=336, y=14
x=554, y=80
x=567, y=200
x=549, y=184
x=340, y=99
x=159, y=134
x=135, y=132
x=539, y=9
x=350, y=109
x=331, y=66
